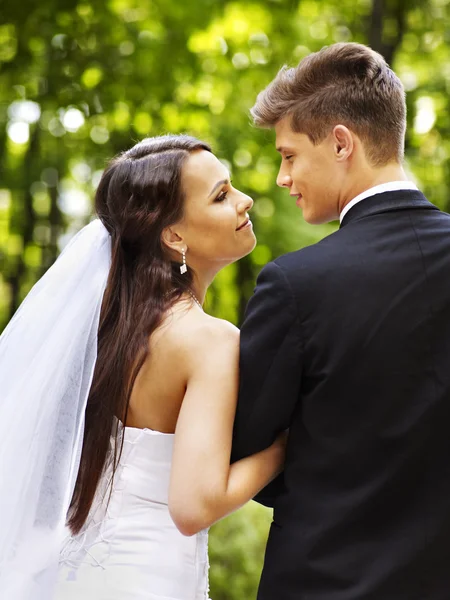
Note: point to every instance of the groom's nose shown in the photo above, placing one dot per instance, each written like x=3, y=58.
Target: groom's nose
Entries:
x=284, y=180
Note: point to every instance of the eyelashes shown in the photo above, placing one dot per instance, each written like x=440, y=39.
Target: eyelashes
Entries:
x=224, y=193
x=222, y=196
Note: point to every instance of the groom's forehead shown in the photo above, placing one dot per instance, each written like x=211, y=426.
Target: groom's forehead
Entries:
x=284, y=135
x=286, y=143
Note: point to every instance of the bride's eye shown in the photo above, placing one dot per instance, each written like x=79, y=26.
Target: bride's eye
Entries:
x=221, y=197
x=289, y=157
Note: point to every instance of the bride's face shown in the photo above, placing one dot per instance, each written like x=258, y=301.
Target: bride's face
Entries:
x=215, y=227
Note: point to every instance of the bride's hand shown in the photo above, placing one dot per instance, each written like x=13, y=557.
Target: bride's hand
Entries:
x=281, y=440
x=275, y=455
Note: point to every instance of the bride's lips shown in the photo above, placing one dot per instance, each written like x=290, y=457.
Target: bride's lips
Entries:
x=245, y=225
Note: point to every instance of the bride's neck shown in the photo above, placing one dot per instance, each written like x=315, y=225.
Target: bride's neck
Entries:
x=200, y=287
x=202, y=280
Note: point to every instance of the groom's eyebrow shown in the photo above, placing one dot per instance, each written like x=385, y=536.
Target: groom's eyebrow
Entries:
x=218, y=185
x=282, y=149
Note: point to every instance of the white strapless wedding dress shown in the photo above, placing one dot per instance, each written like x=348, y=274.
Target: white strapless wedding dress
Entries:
x=132, y=550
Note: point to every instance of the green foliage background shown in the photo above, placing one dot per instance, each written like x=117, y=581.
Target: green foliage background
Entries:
x=81, y=81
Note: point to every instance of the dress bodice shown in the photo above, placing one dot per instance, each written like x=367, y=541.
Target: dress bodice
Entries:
x=130, y=548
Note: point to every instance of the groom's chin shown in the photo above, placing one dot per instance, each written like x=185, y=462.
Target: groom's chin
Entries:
x=312, y=219
x=317, y=218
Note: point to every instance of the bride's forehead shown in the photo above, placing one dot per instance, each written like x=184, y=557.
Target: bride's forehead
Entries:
x=202, y=158
x=203, y=168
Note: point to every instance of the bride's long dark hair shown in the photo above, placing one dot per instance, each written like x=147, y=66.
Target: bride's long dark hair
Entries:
x=139, y=195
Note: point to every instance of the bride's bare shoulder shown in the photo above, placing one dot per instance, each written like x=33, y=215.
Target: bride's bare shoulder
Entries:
x=188, y=330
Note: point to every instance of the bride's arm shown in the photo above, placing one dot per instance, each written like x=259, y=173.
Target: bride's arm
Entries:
x=204, y=487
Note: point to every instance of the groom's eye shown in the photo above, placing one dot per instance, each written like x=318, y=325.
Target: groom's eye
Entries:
x=289, y=157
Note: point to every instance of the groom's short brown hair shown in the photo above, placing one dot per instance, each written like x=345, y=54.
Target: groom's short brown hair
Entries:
x=348, y=84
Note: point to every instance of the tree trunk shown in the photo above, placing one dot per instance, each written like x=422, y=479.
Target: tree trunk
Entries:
x=382, y=10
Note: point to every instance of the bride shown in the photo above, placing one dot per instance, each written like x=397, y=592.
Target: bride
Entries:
x=119, y=392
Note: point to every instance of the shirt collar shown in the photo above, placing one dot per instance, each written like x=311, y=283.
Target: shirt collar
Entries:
x=391, y=186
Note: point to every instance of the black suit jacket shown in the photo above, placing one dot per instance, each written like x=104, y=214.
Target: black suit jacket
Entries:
x=347, y=344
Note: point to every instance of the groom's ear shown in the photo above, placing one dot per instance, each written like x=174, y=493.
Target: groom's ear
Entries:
x=343, y=142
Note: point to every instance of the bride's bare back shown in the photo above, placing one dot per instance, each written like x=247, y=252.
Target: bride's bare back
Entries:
x=161, y=384
x=188, y=386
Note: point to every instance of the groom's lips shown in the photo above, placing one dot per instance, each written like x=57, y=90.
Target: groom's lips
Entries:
x=299, y=198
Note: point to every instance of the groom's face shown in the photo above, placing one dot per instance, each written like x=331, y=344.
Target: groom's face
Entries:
x=309, y=172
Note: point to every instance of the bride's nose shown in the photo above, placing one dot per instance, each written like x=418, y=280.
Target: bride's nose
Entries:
x=245, y=204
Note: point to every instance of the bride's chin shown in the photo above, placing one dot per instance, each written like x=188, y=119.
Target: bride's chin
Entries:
x=246, y=254
x=243, y=251
x=250, y=248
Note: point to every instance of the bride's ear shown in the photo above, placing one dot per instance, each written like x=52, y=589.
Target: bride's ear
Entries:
x=172, y=241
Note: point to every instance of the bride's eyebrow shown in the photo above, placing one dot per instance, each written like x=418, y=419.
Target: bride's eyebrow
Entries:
x=218, y=185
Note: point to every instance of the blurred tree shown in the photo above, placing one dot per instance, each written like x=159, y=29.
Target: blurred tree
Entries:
x=236, y=551
x=81, y=81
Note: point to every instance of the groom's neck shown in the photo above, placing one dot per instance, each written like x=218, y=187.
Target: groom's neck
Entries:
x=369, y=177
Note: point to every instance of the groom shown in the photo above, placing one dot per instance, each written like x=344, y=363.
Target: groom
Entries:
x=346, y=343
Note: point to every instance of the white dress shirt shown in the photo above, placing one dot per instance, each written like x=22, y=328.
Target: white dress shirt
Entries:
x=391, y=186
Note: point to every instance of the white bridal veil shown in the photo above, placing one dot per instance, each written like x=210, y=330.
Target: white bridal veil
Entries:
x=47, y=357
